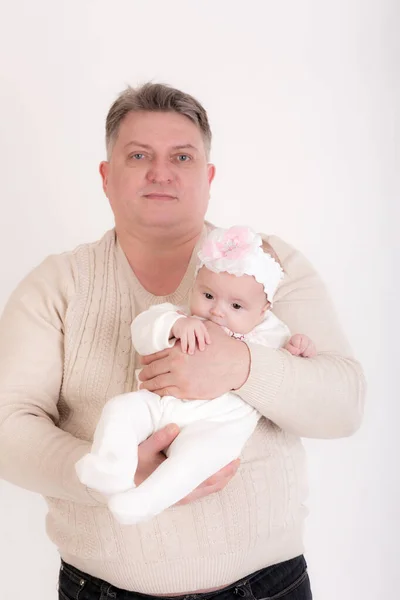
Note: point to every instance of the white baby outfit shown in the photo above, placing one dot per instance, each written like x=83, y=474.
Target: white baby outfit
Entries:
x=212, y=432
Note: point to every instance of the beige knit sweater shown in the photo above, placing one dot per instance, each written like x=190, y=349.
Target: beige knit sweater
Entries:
x=65, y=348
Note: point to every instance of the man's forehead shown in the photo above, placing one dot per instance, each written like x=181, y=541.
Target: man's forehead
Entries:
x=149, y=127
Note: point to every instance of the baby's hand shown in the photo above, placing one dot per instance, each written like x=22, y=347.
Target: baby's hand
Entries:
x=301, y=345
x=188, y=331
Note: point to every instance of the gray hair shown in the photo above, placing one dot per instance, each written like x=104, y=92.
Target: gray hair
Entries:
x=155, y=97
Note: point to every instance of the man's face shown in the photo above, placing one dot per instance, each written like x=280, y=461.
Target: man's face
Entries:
x=158, y=175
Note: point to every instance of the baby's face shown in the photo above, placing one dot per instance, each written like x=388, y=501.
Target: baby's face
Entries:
x=238, y=303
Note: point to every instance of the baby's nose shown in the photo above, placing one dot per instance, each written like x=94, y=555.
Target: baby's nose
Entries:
x=217, y=311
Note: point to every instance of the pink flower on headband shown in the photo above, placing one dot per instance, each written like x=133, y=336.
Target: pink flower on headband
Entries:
x=234, y=244
x=239, y=251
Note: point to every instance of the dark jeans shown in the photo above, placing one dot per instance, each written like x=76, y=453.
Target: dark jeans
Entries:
x=287, y=581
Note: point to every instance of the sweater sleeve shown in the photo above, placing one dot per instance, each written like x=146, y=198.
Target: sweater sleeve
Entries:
x=151, y=330
x=321, y=397
x=34, y=452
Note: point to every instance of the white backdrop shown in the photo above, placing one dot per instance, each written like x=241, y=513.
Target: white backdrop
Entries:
x=302, y=97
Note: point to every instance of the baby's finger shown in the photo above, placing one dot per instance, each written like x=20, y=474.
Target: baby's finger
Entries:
x=292, y=349
x=309, y=351
x=191, y=342
x=206, y=335
x=184, y=342
x=303, y=346
x=296, y=340
x=200, y=338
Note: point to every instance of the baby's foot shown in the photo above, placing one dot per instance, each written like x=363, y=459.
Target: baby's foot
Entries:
x=133, y=507
x=104, y=475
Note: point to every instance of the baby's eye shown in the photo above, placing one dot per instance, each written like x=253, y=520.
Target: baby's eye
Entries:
x=208, y=296
x=236, y=306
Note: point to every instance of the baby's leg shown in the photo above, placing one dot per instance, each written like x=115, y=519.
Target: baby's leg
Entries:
x=199, y=451
x=125, y=422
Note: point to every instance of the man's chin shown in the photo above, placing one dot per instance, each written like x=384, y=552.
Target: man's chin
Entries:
x=170, y=221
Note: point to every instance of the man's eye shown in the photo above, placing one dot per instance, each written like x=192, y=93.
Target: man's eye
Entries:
x=137, y=156
x=208, y=296
x=183, y=158
x=236, y=306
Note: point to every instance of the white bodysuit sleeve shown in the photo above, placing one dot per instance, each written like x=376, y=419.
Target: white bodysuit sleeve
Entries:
x=272, y=332
x=151, y=330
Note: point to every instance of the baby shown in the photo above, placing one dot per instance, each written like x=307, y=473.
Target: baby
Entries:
x=234, y=287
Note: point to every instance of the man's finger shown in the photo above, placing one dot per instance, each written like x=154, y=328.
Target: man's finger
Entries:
x=158, y=382
x=228, y=471
x=200, y=493
x=147, y=360
x=168, y=391
x=160, y=439
x=159, y=367
x=204, y=490
x=213, y=484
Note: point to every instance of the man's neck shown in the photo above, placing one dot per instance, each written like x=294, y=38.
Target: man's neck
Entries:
x=159, y=260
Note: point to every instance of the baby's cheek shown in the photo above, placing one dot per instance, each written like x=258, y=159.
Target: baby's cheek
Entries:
x=193, y=305
x=198, y=309
x=238, y=322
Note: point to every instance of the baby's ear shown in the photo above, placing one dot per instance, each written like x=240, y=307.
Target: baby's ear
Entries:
x=266, y=307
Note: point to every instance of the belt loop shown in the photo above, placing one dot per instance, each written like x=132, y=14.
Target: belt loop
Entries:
x=106, y=591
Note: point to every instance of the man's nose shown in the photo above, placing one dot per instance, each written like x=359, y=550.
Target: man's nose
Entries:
x=160, y=172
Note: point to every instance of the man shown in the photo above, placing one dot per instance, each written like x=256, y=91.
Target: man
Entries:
x=65, y=349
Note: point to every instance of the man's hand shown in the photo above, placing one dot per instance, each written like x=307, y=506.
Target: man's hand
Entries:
x=223, y=366
x=151, y=457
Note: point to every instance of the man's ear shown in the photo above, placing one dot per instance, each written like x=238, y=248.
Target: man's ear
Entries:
x=103, y=169
x=210, y=173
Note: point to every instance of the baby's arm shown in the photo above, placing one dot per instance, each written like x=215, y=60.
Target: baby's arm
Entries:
x=301, y=345
x=151, y=329
x=188, y=330
x=157, y=328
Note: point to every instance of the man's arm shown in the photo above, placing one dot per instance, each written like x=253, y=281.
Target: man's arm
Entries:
x=321, y=397
x=34, y=453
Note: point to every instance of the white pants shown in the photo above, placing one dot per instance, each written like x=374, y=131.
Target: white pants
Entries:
x=213, y=433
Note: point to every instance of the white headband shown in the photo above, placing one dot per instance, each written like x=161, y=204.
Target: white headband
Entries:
x=238, y=251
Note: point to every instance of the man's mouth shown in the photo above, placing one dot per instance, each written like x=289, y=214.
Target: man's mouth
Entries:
x=159, y=196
